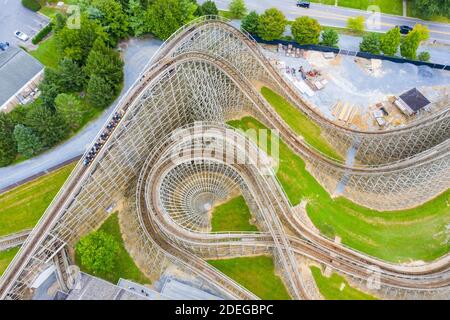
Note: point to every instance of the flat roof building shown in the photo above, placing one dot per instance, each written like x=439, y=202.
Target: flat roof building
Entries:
x=411, y=102
x=20, y=74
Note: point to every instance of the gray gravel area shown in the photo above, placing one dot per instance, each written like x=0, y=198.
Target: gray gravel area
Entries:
x=349, y=82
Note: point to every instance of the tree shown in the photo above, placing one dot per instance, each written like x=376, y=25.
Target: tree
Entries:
x=306, y=30
x=97, y=252
x=429, y=8
x=330, y=38
x=271, y=24
x=99, y=92
x=70, y=108
x=59, y=21
x=76, y=44
x=106, y=63
x=71, y=76
x=167, y=16
x=356, y=24
x=47, y=124
x=137, y=18
x=237, y=9
x=410, y=44
x=208, y=8
x=50, y=87
x=8, y=146
x=112, y=18
x=423, y=31
x=28, y=144
x=370, y=43
x=390, y=41
x=424, y=56
x=250, y=22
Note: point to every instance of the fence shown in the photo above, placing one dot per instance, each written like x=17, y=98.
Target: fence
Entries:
x=360, y=54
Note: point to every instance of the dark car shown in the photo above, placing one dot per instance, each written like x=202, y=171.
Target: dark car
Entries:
x=405, y=29
x=303, y=4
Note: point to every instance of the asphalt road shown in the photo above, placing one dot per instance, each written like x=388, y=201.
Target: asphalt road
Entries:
x=337, y=16
x=136, y=56
x=13, y=16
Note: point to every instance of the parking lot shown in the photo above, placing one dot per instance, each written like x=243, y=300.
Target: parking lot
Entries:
x=13, y=16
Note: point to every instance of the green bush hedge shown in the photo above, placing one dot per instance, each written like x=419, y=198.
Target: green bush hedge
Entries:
x=33, y=5
x=42, y=34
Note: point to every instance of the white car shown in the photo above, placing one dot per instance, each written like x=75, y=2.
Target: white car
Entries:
x=22, y=36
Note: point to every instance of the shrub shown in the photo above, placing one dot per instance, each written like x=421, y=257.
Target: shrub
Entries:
x=33, y=5
x=208, y=8
x=330, y=38
x=42, y=34
x=370, y=43
x=424, y=56
x=356, y=24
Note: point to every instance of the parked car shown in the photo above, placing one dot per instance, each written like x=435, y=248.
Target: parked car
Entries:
x=303, y=4
x=22, y=36
x=405, y=29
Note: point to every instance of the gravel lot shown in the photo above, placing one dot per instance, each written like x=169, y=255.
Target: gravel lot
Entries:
x=349, y=82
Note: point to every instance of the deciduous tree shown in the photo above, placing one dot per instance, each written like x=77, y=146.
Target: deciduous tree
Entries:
x=97, y=252
x=306, y=30
x=271, y=24
x=76, y=44
x=167, y=16
x=112, y=18
x=390, y=41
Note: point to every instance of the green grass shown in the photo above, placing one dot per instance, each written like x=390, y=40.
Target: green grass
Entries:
x=233, y=215
x=299, y=123
x=47, y=53
x=398, y=236
x=257, y=274
x=6, y=257
x=386, y=6
x=50, y=11
x=21, y=207
x=125, y=267
x=330, y=287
